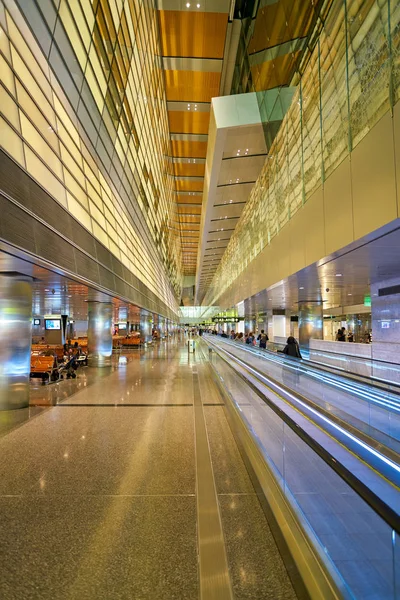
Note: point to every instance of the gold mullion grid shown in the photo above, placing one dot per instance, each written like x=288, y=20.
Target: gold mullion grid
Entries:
x=117, y=81
x=118, y=72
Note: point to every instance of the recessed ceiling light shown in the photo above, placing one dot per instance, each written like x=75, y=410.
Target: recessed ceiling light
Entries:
x=198, y=5
x=349, y=294
x=187, y=4
x=301, y=288
x=338, y=274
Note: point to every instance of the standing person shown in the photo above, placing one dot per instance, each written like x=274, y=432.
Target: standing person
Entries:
x=341, y=335
x=292, y=348
x=263, y=339
x=350, y=336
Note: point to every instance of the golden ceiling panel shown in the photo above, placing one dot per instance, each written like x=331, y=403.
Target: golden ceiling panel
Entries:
x=273, y=73
x=185, y=149
x=189, y=170
x=190, y=228
x=183, y=199
x=189, y=210
x=187, y=185
x=191, y=86
x=189, y=232
x=190, y=219
x=280, y=22
x=188, y=121
x=194, y=34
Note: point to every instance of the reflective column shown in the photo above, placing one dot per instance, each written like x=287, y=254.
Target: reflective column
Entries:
x=311, y=322
x=161, y=327
x=146, y=325
x=15, y=340
x=100, y=333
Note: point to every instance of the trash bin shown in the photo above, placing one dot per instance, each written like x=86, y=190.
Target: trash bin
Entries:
x=191, y=346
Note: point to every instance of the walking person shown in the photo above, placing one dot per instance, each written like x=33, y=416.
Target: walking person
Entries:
x=263, y=339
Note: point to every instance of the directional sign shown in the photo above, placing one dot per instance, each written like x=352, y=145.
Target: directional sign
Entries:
x=227, y=319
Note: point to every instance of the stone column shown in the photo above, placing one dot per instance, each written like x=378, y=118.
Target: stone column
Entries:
x=15, y=340
x=311, y=322
x=100, y=333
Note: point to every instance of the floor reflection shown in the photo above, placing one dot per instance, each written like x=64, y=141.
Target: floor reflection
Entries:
x=44, y=396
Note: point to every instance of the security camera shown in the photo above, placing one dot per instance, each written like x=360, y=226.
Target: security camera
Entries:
x=327, y=290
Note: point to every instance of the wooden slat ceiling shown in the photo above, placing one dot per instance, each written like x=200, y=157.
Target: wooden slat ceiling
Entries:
x=191, y=86
x=189, y=170
x=191, y=34
x=184, y=149
x=196, y=199
x=277, y=23
x=188, y=121
x=280, y=22
x=187, y=185
x=272, y=74
x=189, y=210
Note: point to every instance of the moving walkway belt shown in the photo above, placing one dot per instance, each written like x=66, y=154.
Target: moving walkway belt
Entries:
x=355, y=442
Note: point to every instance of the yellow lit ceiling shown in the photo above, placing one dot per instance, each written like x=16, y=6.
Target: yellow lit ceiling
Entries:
x=278, y=39
x=193, y=37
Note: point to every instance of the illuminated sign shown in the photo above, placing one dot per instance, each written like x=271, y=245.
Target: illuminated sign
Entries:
x=227, y=319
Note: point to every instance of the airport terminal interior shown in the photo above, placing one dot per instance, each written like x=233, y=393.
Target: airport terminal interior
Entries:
x=199, y=299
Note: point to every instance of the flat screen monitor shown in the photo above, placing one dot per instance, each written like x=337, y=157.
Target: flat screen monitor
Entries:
x=52, y=324
x=36, y=321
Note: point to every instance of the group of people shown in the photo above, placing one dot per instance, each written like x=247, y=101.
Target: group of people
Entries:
x=341, y=336
x=291, y=348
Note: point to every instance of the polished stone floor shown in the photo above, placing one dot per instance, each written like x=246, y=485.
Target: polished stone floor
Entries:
x=105, y=490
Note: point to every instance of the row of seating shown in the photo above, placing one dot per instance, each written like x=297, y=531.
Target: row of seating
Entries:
x=44, y=367
x=133, y=341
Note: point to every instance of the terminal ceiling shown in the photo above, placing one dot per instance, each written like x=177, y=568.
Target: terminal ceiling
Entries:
x=196, y=45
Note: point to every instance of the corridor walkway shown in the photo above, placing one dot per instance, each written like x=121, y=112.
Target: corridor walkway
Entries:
x=133, y=488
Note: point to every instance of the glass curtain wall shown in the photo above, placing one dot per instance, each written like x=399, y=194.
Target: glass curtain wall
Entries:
x=83, y=110
x=351, y=80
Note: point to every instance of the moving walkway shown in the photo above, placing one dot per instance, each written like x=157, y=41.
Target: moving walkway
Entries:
x=325, y=451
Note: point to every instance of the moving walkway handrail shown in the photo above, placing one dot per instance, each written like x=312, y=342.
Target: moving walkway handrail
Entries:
x=374, y=382
x=377, y=504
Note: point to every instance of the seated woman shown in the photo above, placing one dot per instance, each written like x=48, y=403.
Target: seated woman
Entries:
x=292, y=347
x=250, y=338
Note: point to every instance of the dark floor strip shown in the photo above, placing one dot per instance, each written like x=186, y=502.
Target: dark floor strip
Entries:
x=117, y=405
x=213, y=404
